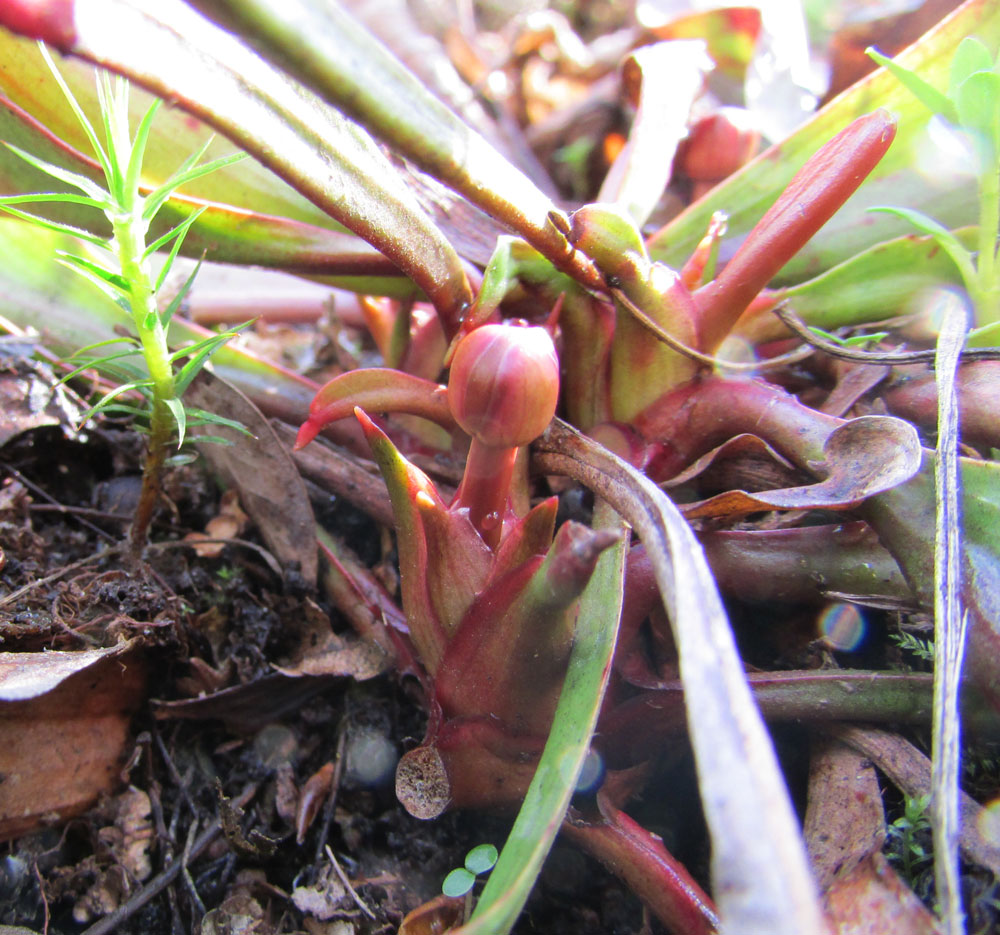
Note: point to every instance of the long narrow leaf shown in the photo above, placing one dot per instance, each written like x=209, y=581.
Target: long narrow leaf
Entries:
x=97, y=363
x=98, y=344
x=949, y=621
x=74, y=179
x=934, y=100
x=156, y=198
x=96, y=272
x=548, y=796
x=198, y=417
x=178, y=231
x=175, y=303
x=945, y=239
x=189, y=175
x=178, y=54
x=176, y=408
x=54, y=226
x=207, y=348
x=115, y=140
x=112, y=395
x=65, y=198
x=85, y=124
x=134, y=169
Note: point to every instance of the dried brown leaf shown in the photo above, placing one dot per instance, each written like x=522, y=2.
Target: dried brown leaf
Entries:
x=863, y=457
x=845, y=821
x=260, y=467
x=63, y=725
x=872, y=900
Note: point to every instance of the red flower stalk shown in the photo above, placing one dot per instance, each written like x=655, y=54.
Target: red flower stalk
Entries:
x=502, y=390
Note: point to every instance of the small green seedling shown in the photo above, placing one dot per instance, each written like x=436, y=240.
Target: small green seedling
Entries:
x=907, y=837
x=971, y=105
x=478, y=861
x=119, y=265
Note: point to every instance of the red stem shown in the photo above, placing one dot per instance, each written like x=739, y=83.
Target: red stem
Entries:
x=651, y=871
x=485, y=488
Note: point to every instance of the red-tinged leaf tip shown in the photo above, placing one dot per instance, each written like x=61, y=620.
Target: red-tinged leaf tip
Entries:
x=816, y=192
x=307, y=432
x=370, y=429
x=52, y=21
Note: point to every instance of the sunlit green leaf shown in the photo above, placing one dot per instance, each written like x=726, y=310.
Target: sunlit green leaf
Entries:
x=933, y=99
x=942, y=236
x=970, y=56
x=180, y=418
x=96, y=273
x=978, y=102
x=84, y=122
x=51, y=197
x=134, y=170
x=54, y=226
x=175, y=303
x=177, y=232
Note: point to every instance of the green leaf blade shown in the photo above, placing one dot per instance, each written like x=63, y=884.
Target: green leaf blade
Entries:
x=933, y=99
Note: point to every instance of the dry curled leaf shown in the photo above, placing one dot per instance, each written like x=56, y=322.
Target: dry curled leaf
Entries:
x=438, y=915
x=863, y=457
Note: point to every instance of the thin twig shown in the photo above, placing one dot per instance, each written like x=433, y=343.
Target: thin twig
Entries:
x=77, y=513
x=347, y=883
x=186, y=873
x=331, y=802
x=899, y=358
x=112, y=923
x=56, y=575
x=800, y=353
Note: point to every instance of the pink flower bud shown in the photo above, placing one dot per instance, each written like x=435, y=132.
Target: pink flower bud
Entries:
x=504, y=384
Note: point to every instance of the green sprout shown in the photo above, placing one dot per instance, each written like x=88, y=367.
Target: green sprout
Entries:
x=970, y=105
x=907, y=837
x=120, y=266
x=909, y=642
x=478, y=861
